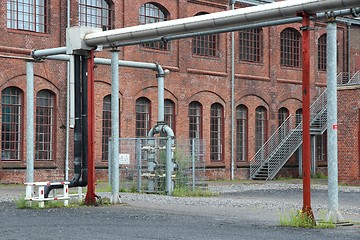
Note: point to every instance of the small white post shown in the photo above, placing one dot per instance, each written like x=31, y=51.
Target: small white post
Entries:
x=41, y=197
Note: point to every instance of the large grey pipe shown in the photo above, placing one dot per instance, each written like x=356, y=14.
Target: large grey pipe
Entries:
x=268, y=12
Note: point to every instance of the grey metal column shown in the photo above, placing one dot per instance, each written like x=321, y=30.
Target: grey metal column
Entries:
x=169, y=166
x=115, y=126
x=331, y=52
x=29, y=121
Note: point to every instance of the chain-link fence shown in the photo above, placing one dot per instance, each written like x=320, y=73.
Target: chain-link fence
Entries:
x=143, y=164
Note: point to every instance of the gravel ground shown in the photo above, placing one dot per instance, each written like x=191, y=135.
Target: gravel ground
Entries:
x=243, y=210
x=279, y=196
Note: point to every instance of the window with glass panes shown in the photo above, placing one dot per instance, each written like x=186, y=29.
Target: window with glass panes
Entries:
x=216, y=132
x=241, y=132
x=95, y=13
x=250, y=43
x=290, y=48
x=45, y=115
x=152, y=13
x=28, y=15
x=169, y=113
x=321, y=147
x=195, y=120
x=142, y=117
x=322, y=53
x=106, y=127
x=260, y=127
x=206, y=45
x=11, y=106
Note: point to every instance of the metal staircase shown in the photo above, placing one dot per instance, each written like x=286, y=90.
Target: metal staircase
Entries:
x=277, y=150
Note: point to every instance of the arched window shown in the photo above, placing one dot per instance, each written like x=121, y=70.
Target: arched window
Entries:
x=152, y=13
x=45, y=119
x=143, y=108
x=12, y=112
x=96, y=13
x=290, y=48
x=251, y=45
x=206, y=45
x=322, y=53
x=241, y=132
x=28, y=15
x=260, y=127
x=283, y=114
x=106, y=127
x=195, y=120
x=216, y=132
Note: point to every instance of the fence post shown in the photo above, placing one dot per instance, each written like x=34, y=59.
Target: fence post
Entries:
x=193, y=162
x=138, y=159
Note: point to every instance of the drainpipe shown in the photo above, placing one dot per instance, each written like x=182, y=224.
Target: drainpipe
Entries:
x=232, y=95
x=348, y=51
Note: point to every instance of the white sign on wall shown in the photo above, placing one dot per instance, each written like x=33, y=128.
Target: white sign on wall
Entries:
x=124, y=158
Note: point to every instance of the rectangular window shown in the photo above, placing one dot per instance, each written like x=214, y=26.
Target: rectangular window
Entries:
x=44, y=126
x=142, y=117
x=250, y=45
x=195, y=114
x=95, y=14
x=28, y=15
x=206, y=45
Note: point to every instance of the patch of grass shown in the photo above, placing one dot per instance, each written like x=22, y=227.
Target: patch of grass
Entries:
x=320, y=176
x=187, y=192
x=300, y=219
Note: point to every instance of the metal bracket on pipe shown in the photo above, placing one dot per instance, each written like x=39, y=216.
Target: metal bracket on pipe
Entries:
x=306, y=28
x=355, y=12
x=330, y=16
x=38, y=59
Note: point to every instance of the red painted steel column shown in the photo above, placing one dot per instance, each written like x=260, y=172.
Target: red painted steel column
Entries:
x=306, y=156
x=90, y=198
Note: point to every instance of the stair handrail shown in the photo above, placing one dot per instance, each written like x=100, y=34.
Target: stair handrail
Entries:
x=268, y=149
x=355, y=79
x=270, y=145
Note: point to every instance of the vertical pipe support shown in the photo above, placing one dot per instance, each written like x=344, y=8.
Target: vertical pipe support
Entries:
x=30, y=121
x=331, y=53
x=90, y=194
x=115, y=125
x=169, y=165
x=306, y=115
x=160, y=76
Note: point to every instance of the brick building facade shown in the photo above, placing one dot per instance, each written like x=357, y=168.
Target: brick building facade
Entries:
x=267, y=86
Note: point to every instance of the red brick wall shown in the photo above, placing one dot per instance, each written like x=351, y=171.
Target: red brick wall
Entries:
x=207, y=80
x=348, y=134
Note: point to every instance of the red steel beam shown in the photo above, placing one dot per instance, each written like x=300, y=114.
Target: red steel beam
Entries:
x=306, y=156
x=90, y=198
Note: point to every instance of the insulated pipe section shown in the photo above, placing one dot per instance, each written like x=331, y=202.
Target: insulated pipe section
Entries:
x=271, y=11
x=160, y=76
x=36, y=54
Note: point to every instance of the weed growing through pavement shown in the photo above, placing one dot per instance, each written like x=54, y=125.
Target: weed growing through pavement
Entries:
x=300, y=219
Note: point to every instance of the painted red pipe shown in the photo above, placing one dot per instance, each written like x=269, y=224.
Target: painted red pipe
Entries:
x=90, y=198
x=306, y=156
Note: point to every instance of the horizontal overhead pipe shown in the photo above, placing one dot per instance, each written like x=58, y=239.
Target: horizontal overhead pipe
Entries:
x=218, y=20
x=47, y=52
x=105, y=61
